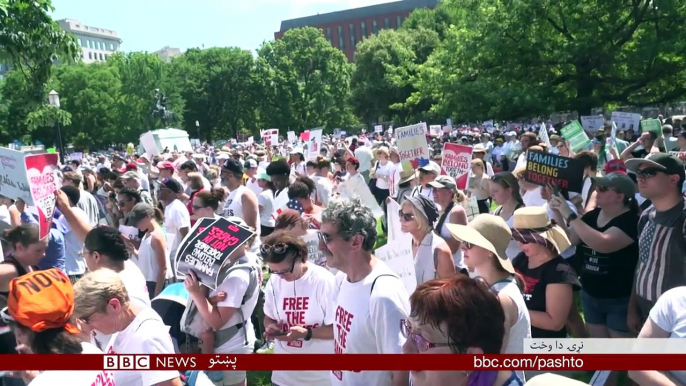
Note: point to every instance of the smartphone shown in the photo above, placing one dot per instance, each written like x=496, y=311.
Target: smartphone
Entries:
x=278, y=333
x=556, y=190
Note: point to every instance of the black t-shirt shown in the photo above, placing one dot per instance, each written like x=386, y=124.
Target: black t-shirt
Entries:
x=609, y=275
x=555, y=271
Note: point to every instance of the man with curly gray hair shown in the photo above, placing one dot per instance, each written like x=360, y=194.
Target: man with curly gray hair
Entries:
x=372, y=300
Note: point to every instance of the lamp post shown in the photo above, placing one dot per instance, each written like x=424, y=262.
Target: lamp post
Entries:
x=197, y=126
x=54, y=99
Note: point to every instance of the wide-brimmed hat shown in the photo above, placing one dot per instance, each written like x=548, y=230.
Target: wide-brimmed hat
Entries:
x=532, y=225
x=479, y=148
x=406, y=176
x=489, y=232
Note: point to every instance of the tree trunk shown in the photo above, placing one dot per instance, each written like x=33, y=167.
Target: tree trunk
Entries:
x=585, y=101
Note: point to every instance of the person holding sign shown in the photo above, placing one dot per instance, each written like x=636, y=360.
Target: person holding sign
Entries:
x=432, y=256
x=299, y=306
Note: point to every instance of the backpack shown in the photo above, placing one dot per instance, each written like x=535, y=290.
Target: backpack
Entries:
x=191, y=318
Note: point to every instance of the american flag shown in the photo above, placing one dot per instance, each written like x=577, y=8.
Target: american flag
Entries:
x=295, y=205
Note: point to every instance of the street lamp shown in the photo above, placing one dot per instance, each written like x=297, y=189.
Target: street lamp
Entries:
x=197, y=126
x=54, y=99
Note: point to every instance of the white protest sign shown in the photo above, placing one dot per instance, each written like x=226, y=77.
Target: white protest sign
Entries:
x=412, y=147
x=14, y=183
x=130, y=233
x=356, y=187
x=435, y=130
x=626, y=121
x=378, y=129
x=291, y=136
x=398, y=257
x=76, y=156
x=592, y=122
x=337, y=133
x=314, y=144
x=314, y=253
x=393, y=221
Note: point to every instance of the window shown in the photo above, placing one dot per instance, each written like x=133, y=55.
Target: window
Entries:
x=80, y=43
x=88, y=43
x=387, y=22
x=341, y=38
x=111, y=46
x=90, y=55
x=399, y=22
x=329, y=37
x=375, y=27
x=100, y=56
x=353, y=38
x=363, y=30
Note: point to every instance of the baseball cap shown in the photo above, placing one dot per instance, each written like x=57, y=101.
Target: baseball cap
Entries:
x=264, y=176
x=131, y=175
x=619, y=181
x=669, y=164
x=431, y=167
x=165, y=165
x=444, y=182
x=131, y=166
x=233, y=166
x=250, y=164
x=49, y=308
x=141, y=211
x=614, y=166
x=172, y=185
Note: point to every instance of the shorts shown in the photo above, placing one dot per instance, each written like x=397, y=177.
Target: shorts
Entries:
x=609, y=312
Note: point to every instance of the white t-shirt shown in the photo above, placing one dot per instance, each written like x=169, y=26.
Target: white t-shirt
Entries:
x=365, y=156
x=533, y=198
x=307, y=302
x=385, y=171
x=368, y=322
x=147, y=334
x=266, y=200
x=89, y=205
x=5, y=215
x=74, y=262
x=324, y=189
x=669, y=313
x=235, y=285
x=253, y=185
x=76, y=378
x=176, y=217
x=394, y=180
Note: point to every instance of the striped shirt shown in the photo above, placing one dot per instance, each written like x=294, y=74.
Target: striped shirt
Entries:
x=662, y=251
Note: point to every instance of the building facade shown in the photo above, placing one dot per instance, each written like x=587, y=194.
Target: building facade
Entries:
x=344, y=29
x=97, y=44
x=167, y=53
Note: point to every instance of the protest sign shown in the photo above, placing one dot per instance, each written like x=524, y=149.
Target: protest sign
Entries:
x=435, y=130
x=305, y=136
x=393, y=220
x=208, y=252
x=14, y=182
x=457, y=162
x=447, y=129
x=626, y=121
x=412, y=147
x=653, y=125
x=314, y=254
x=314, y=144
x=41, y=170
x=198, y=227
x=76, y=156
x=270, y=137
x=545, y=168
x=356, y=187
x=291, y=136
x=398, y=257
x=378, y=129
x=592, y=122
x=337, y=133
x=576, y=136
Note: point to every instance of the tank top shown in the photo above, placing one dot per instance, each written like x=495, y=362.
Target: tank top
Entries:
x=522, y=327
x=458, y=258
x=234, y=203
x=512, y=248
x=146, y=260
x=424, y=261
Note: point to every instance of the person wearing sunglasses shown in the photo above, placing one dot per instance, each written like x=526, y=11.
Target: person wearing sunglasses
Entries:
x=505, y=191
x=298, y=307
x=458, y=315
x=484, y=242
x=604, y=152
x=371, y=301
x=661, y=242
x=43, y=323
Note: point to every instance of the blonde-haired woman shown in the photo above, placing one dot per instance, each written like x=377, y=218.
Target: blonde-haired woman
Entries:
x=505, y=191
x=448, y=197
x=383, y=171
x=432, y=256
x=478, y=186
x=102, y=304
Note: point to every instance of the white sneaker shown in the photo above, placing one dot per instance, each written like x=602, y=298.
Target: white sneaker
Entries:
x=267, y=348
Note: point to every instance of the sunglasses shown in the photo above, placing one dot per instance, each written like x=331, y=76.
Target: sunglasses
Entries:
x=648, y=172
x=407, y=217
x=285, y=271
x=277, y=249
x=467, y=245
x=418, y=340
x=324, y=238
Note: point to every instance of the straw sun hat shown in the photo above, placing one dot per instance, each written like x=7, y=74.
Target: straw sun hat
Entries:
x=532, y=225
x=489, y=232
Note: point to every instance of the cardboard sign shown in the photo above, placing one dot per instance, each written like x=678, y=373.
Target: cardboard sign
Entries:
x=398, y=257
x=545, y=168
x=356, y=187
x=626, y=121
x=412, y=147
x=208, y=252
x=291, y=136
x=14, y=182
x=457, y=162
x=314, y=144
x=198, y=227
x=270, y=137
x=435, y=130
x=592, y=122
x=378, y=129
x=393, y=221
x=41, y=170
x=576, y=136
x=653, y=125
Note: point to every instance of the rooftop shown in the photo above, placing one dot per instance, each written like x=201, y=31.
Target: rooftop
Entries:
x=75, y=26
x=357, y=13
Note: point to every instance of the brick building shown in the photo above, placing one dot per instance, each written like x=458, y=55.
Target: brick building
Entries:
x=344, y=29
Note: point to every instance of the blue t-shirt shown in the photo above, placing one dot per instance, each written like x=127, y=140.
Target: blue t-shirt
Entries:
x=54, y=254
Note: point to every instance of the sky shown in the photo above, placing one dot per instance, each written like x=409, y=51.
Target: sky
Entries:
x=149, y=25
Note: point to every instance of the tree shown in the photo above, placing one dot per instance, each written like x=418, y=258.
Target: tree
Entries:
x=306, y=82
x=514, y=59
x=220, y=90
x=32, y=42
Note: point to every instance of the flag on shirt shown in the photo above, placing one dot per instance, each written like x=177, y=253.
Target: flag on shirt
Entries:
x=295, y=205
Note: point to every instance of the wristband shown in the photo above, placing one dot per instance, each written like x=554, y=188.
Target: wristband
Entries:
x=309, y=334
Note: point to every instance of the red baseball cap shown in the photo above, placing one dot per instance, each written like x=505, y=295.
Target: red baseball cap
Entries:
x=615, y=166
x=165, y=165
x=131, y=166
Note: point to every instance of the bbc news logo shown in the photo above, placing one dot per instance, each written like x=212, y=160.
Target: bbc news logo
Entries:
x=127, y=362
